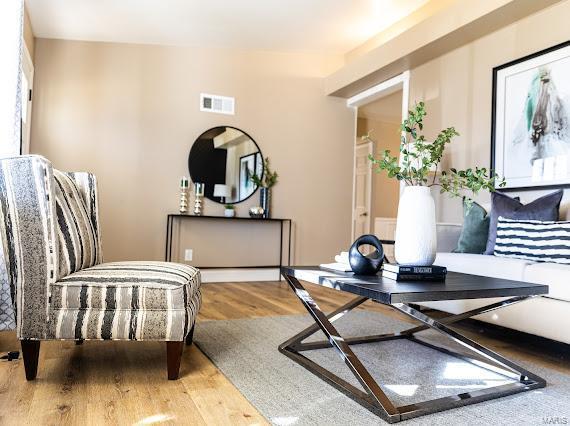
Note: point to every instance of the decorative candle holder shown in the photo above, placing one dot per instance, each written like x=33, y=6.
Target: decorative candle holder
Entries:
x=184, y=184
x=199, y=194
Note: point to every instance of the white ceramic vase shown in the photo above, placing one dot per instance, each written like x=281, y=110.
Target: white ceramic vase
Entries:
x=416, y=239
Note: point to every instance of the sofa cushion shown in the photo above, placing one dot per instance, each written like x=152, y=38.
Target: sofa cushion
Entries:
x=77, y=242
x=489, y=266
x=473, y=238
x=555, y=276
x=543, y=208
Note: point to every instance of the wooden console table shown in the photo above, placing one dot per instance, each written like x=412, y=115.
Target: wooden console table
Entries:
x=171, y=218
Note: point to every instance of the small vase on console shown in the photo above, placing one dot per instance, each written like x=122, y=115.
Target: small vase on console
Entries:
x=229, y=210
x=416, y=237
x=265, y=201
x=265, y=182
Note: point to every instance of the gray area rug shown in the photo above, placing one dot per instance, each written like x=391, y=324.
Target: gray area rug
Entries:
x=287, y=394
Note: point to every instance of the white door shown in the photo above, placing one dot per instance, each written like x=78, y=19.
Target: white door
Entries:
x=26, y=87
x=362, y=190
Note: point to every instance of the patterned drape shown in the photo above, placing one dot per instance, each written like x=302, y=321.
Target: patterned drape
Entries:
x=11, y=22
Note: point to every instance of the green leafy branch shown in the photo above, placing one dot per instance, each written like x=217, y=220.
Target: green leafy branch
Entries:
x=268, y=179
x=418, y=158
x=454, y=182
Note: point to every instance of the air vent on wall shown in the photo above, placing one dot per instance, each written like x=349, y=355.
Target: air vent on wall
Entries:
x=218, y=104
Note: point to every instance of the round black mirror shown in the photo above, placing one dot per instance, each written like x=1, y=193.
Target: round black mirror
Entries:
x=224, y=159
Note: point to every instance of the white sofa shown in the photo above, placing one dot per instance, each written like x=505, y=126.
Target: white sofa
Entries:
x=546, y=316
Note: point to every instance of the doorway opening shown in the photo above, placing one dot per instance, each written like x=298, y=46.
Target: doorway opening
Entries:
x=379, y=113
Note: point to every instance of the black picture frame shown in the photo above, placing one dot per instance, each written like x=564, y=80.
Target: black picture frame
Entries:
x=245, y=179
x=257, y=162
x=494, y=100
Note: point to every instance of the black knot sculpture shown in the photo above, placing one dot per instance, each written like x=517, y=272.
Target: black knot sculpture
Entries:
x=369, y=264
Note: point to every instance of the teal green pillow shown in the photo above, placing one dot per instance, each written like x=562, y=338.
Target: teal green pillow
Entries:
x=475, y=231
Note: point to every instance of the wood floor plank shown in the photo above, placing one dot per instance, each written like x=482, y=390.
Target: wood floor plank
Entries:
x=119, y=383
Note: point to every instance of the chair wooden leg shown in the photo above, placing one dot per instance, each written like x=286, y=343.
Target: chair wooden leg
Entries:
x=173, y=357
x=30, y=353
x=190, y=336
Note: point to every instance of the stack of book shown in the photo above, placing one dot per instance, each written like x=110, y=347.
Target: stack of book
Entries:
x=414, y=273
x=340, y=264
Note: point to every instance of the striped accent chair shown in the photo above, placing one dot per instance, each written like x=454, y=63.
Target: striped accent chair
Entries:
x=51, y=244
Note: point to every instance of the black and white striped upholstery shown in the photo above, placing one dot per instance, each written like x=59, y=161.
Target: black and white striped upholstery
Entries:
x=119, y=301
x=28, y=232
x=533, y=240
x=78, y=248
x=127, y=300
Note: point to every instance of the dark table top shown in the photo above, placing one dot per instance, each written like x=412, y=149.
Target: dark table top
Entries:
x=456, y=286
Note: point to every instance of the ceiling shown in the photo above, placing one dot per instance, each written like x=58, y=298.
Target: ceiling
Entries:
x=326, y=26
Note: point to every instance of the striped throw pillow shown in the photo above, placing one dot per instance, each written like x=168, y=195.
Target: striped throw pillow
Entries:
x=76, y=236
x=534, y=240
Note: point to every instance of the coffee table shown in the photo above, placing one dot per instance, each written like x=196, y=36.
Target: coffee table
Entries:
x=399, y=296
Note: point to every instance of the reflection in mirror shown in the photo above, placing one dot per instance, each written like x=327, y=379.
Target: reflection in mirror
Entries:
x=224, y=159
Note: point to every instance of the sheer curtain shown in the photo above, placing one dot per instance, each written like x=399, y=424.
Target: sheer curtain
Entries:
x=11, y=28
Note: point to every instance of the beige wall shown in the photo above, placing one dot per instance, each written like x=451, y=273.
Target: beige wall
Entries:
x=385, y=191
x=129, y=113
x=28, y=34
x=457, y=90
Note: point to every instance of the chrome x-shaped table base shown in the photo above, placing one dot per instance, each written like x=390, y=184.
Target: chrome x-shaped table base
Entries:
x=373, y=397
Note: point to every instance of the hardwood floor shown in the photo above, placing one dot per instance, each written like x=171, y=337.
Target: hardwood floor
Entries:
x=125, y=382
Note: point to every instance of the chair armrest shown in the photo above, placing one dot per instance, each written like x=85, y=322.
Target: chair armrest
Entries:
x=28, y=233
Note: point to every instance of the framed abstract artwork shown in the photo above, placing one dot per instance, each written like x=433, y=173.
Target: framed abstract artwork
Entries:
x=530, y=140
x=258, y=164
x=246, y=170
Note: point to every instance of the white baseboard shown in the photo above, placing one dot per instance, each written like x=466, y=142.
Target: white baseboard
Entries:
x=239, y=275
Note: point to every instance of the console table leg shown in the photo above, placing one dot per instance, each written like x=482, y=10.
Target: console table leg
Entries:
x=166, y=248
x=289, y=244
x=280, y=249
